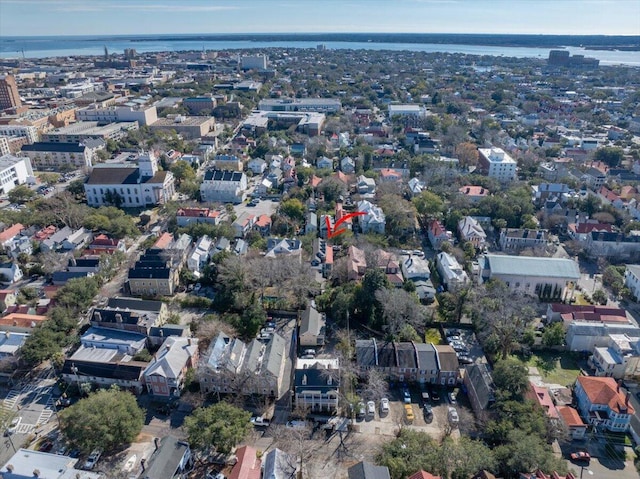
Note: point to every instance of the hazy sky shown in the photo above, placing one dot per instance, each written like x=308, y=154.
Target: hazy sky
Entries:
x=86, y=17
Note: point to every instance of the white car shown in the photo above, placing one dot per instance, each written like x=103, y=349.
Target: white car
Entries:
x=454, y=419
x=371, y=408
x=384, y=406
x=93, y=459
x=15, y=422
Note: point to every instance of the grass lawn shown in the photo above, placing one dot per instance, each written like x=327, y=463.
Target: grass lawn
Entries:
x=580, y=301
x=433, y=336
x=554, y=367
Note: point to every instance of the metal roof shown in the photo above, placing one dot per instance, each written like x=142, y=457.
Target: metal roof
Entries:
x=529, y=266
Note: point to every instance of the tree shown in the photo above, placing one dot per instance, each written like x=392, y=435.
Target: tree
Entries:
x=553, y=335
x=293, y=208
x=524, y=452
x=600, y=296
x=428, y=204
x=182, y=171
x=399, y=309
x=612, y=156
x=76, y=188
x=467, y=154
x=400, y=215
x=501, y=312
x=107, y=419
x=220, y=426
x=510, y=377
x=20, y=194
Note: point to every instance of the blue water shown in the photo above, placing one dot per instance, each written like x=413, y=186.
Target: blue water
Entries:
x=41, y=47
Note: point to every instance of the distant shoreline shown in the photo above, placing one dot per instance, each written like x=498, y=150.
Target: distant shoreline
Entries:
x=588, y=42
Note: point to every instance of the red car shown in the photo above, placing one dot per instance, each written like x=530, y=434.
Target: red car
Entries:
x=580, y=456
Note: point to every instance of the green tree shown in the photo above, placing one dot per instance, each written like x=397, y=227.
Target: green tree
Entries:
x=76, y=188
x=182, y=171
x=20, y=194
x=600, y=296
x=553, y=335
x=252, y=319
x=612, y=156
x=428, y=204
x=525, y=453
x=510, y=377
x=108, y=419
x=220, y=426
x=293, y=208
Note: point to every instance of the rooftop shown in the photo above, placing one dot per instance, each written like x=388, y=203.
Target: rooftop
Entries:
x=530, y=266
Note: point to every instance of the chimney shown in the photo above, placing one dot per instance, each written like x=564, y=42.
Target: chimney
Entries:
x=156, y=442
x=118, y=318
x=143, y=461
x=7, y=334
x=189, y=341
x=36, y=473
x=9, y=467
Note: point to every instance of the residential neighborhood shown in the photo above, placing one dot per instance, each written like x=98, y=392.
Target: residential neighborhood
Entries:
x=309, y=262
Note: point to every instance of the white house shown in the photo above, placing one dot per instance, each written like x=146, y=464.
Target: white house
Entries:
x=200, y=255
x=519, y=238
x=130, y=186
x=632, y=280
x=451, y=272
x=257, y=165
x=10, y=272
x=14, y=171
x=374, y=220
x=224, y=186
x=496, y=163
x=347, y=165
x=366, y=186
x=470, y=230
x=57, y=155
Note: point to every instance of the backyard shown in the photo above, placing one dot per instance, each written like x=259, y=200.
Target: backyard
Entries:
x=555, y=367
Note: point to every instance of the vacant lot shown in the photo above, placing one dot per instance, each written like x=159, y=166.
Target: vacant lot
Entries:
x=554, y=367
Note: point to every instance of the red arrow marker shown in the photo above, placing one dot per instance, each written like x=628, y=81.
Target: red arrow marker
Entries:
x=336, y=232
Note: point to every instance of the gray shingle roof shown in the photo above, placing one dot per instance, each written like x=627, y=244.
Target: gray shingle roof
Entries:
x=529, y=266
x=367, y=470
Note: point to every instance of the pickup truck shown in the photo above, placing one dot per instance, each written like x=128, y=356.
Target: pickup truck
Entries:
x=260, y=421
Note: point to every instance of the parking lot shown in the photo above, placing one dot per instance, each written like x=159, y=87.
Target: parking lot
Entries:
x=264, y=207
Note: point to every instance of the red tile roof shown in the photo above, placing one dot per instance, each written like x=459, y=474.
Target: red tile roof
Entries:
x=606, y=391
x=437, y=229
x=315, y=181
x=423, y=475
x=198, y=212
x=22, y=320
x=45, y=233
x=11, y=232
x=164, y=241
x=248, y=465
x=586, y=228
x=470, y=190
x=263, y=221
x=541, y=396
x=570, y=416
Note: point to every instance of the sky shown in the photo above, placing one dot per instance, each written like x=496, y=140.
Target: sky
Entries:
x=114, y=17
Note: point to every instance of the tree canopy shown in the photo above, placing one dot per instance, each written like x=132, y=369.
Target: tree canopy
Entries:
x=220, y=426
x=108, y=419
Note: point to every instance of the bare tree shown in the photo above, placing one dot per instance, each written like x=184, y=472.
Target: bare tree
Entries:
x=376, y=386
x=502, y=313
x=52, y=261
x=399, y=309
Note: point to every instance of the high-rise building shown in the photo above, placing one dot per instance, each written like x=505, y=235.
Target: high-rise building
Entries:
x=9, y=96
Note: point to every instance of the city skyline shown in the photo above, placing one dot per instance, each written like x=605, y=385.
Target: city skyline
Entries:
x=125, y=17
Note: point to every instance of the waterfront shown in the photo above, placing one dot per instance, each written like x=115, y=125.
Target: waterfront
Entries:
x=42, y=47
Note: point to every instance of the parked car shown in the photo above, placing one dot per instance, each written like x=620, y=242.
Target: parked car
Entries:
x=92, y=460
x=260, y=421
x=45, y=446
x=452, y=398
x=13, y=426
x=454, y=419
x=371, y=408
x=384, y=406
x=428, y=410
x=408, y=413
x=310, y=352
x=464, y=359
x=406, y=396
x=435, y=396
x=297, y=424
x=581, y=456
x=454, y=338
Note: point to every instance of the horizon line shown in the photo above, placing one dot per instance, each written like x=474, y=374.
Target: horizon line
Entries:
x=630, y=35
